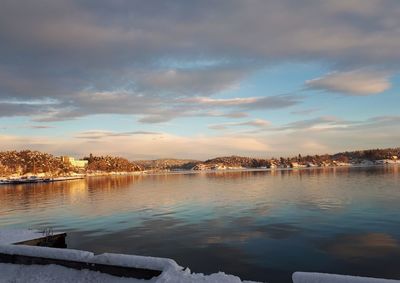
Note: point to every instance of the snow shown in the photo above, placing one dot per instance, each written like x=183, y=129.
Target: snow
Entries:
x=13, y=236
x=311, y=277
x=147, y=262
x=54, y=253
x=15, y=273
x=171, y=271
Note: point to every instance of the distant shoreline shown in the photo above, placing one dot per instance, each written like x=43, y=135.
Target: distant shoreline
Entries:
x=28, y=166
x=177, y=172
x=186, y=172
x=238, y=170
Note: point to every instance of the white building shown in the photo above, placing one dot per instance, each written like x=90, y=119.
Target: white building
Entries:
x=72, y=161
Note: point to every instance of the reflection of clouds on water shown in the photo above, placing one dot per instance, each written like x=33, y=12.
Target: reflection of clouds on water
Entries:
x=234, y=237
x=362, y=246
x=244, y=229
x=277, y=231
x=259, y=209
x=280, y=230
x=259, y=193
x=261, y=218
x=203, y=222
x=320, y=203
x=206, y=247
x=330, y=203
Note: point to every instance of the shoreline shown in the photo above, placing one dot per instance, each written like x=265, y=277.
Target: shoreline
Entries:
x=30, y=180
x=172, y=172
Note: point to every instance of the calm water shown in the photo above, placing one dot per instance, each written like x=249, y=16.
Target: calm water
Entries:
x=257, y=225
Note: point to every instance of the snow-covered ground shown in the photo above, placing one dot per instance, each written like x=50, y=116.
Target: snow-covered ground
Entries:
x=16, y=273
x=171, y=271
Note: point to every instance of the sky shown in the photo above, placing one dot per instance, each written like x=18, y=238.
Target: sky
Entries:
x=199, y=79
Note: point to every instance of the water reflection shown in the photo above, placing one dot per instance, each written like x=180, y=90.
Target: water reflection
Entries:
x=364, y=246
x=260, y=225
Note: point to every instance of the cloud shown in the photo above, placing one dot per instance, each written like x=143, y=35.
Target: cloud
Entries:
x=359, y=82
x=233, y=114
x=98, y=134
x=305, y=111
x=222, y=102
x=333, y=123
x=156, y=108
x=10, y=109
x=328, y=134
x=257, y=123
x=155, y=52
x=203, y=81
x=92, y=33
x=319, y=123
x=313, y=136
x=374, y=123
x=247, y=103
x=37, y=127
x=40, y=127
x=139, y=146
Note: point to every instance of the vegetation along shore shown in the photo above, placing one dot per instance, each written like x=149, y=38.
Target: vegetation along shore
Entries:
x=35, y=164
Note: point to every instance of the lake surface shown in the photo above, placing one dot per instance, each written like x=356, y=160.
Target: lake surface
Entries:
x=259, y=225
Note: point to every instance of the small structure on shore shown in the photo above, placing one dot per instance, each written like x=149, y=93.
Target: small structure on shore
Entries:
x=78, y=163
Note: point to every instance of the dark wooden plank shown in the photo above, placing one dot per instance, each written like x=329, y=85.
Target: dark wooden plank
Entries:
x=120, y=271
x=53, y=241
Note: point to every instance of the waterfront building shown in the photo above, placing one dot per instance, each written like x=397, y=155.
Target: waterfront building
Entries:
x=74, y=162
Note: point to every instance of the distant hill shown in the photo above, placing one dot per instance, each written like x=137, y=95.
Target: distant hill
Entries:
x=339, y=159
x=111, y=164
x=233, y=162
x=35, y=162
x=370, y=154
x=167, y=164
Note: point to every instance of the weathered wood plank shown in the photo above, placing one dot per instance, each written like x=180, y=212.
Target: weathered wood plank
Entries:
x=120, y=271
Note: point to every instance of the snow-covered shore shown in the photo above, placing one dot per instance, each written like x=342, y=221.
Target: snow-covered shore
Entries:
x=17, y=273
x=171, y=272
